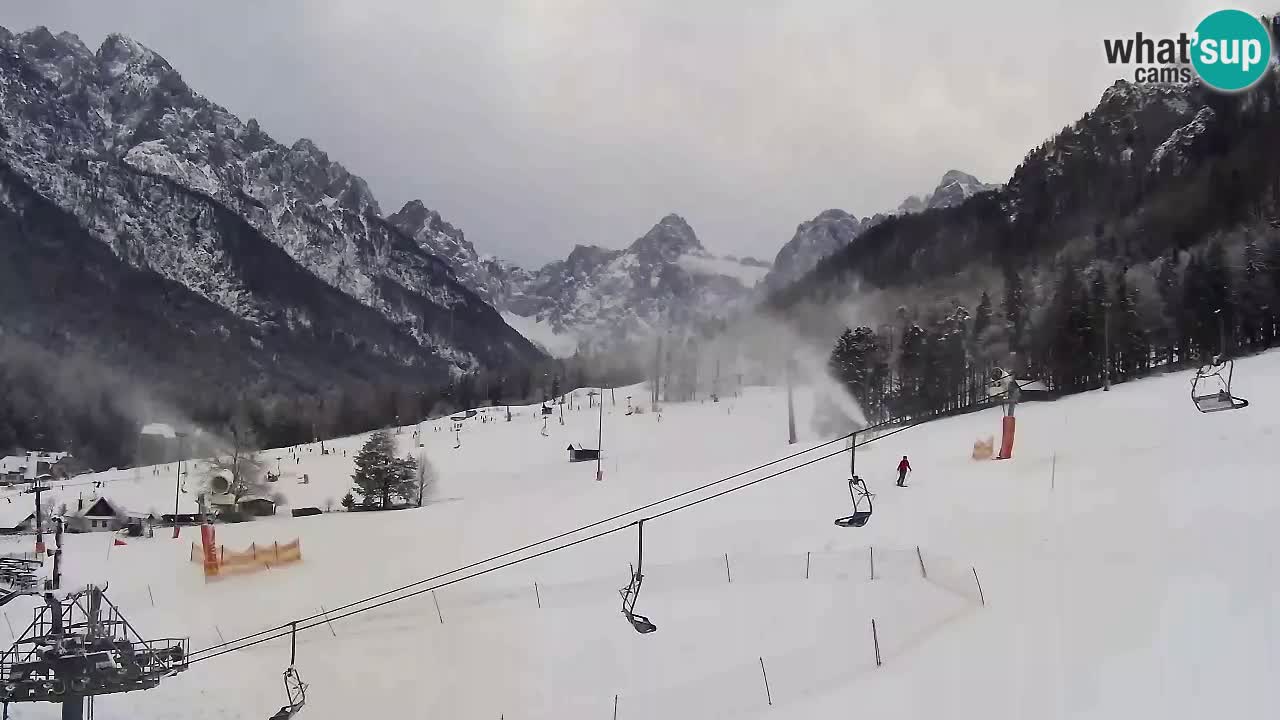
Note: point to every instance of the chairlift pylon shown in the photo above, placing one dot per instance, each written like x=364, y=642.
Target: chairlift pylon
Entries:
x=631, y=592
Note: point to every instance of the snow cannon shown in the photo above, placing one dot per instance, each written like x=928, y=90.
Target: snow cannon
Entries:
x=220, y=483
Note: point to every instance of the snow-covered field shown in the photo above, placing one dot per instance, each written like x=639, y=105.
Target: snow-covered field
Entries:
x=1125, y=555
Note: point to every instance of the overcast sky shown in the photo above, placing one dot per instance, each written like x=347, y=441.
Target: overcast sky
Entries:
x=538, y=125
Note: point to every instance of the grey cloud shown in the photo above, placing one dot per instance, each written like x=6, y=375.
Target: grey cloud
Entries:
x=538, y=125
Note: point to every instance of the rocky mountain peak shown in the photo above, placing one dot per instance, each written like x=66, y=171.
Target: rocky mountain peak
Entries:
x=56, y=57
x=415, y=219
x=954, y=187
x=123, y=52
x=670, y=238
x=814, y=240
x=42, y=43
x=326, y=179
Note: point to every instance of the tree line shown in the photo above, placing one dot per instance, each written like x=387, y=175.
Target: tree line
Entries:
x=99, y=423
x=1069, y=323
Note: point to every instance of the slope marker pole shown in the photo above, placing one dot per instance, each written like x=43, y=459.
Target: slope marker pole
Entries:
x=875, y=637
x=806, y=565
x=981, y=596
x=920, y=557
x=327, y=622
x=437, y=602
x=767, y=695
x=726, y=568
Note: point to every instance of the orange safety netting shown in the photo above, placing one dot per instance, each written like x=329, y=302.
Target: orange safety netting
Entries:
x=256, y=557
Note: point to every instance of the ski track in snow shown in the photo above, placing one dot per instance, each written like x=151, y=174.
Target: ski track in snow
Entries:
x=1125, y=554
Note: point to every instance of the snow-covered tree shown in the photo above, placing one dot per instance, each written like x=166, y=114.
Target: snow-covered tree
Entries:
x=380, y=476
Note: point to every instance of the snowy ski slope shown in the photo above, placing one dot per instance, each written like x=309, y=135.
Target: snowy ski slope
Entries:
x=1125, y=555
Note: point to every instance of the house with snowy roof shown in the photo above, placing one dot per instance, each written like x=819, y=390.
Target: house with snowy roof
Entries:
x=96, y=515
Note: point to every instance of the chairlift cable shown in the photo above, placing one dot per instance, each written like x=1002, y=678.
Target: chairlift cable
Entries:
x=316, y=620
x=532, y=545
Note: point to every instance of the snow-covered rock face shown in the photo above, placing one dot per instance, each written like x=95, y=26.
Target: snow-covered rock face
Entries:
x=608, y=298
x=596, y=299
x=487, y=276
x=90, y=131
x=1171, y=156
x=813, y=241
x=832, y=230
x=954, y=188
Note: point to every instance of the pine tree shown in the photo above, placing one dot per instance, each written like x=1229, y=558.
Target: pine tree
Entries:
x=913, y=361
x=1132, y=351
x=981, y=319
x=380, y=475
x=1069, y=332
x=1015, y=308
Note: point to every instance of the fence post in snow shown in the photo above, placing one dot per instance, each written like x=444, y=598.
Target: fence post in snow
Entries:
x=153, y=597
x=873, y=562
x=806, y=565
x=327, y=622
x=768, y=696
x=726, y=568
x=537, y=595
x=920, y=557
x=437, y=602
x=875, y=638
x=981, y=596
x=615, y=707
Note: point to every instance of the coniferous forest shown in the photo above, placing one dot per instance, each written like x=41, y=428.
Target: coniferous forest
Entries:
x=1124, y=241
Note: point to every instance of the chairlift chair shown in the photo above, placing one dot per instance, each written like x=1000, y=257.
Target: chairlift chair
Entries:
x=857, y=489
x=1211, y=392
x=294, y=689
x=631, y=592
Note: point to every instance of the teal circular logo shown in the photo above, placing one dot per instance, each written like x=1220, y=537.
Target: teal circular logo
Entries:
x=1232, y=50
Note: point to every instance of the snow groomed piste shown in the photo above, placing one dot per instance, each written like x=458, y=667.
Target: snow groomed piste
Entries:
x=771, y=560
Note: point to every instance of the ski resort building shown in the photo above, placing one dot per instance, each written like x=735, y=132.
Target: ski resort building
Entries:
x=100, y=516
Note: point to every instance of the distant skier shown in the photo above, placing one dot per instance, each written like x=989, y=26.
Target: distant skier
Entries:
x=904, y=467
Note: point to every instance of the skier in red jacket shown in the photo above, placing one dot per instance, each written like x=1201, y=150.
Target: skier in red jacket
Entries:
x=904, y=467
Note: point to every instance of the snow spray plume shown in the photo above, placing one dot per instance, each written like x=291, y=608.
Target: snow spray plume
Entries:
x=768, y=344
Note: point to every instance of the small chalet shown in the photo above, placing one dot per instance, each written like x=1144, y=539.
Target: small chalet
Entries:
x=99, y=516
x=580, y=454
x=257, y=506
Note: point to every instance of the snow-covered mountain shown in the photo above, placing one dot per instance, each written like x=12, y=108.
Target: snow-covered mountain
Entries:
x=954, y=188
x=278, y=240
x=834, y=229
x=599, y=299
x=814, y=240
